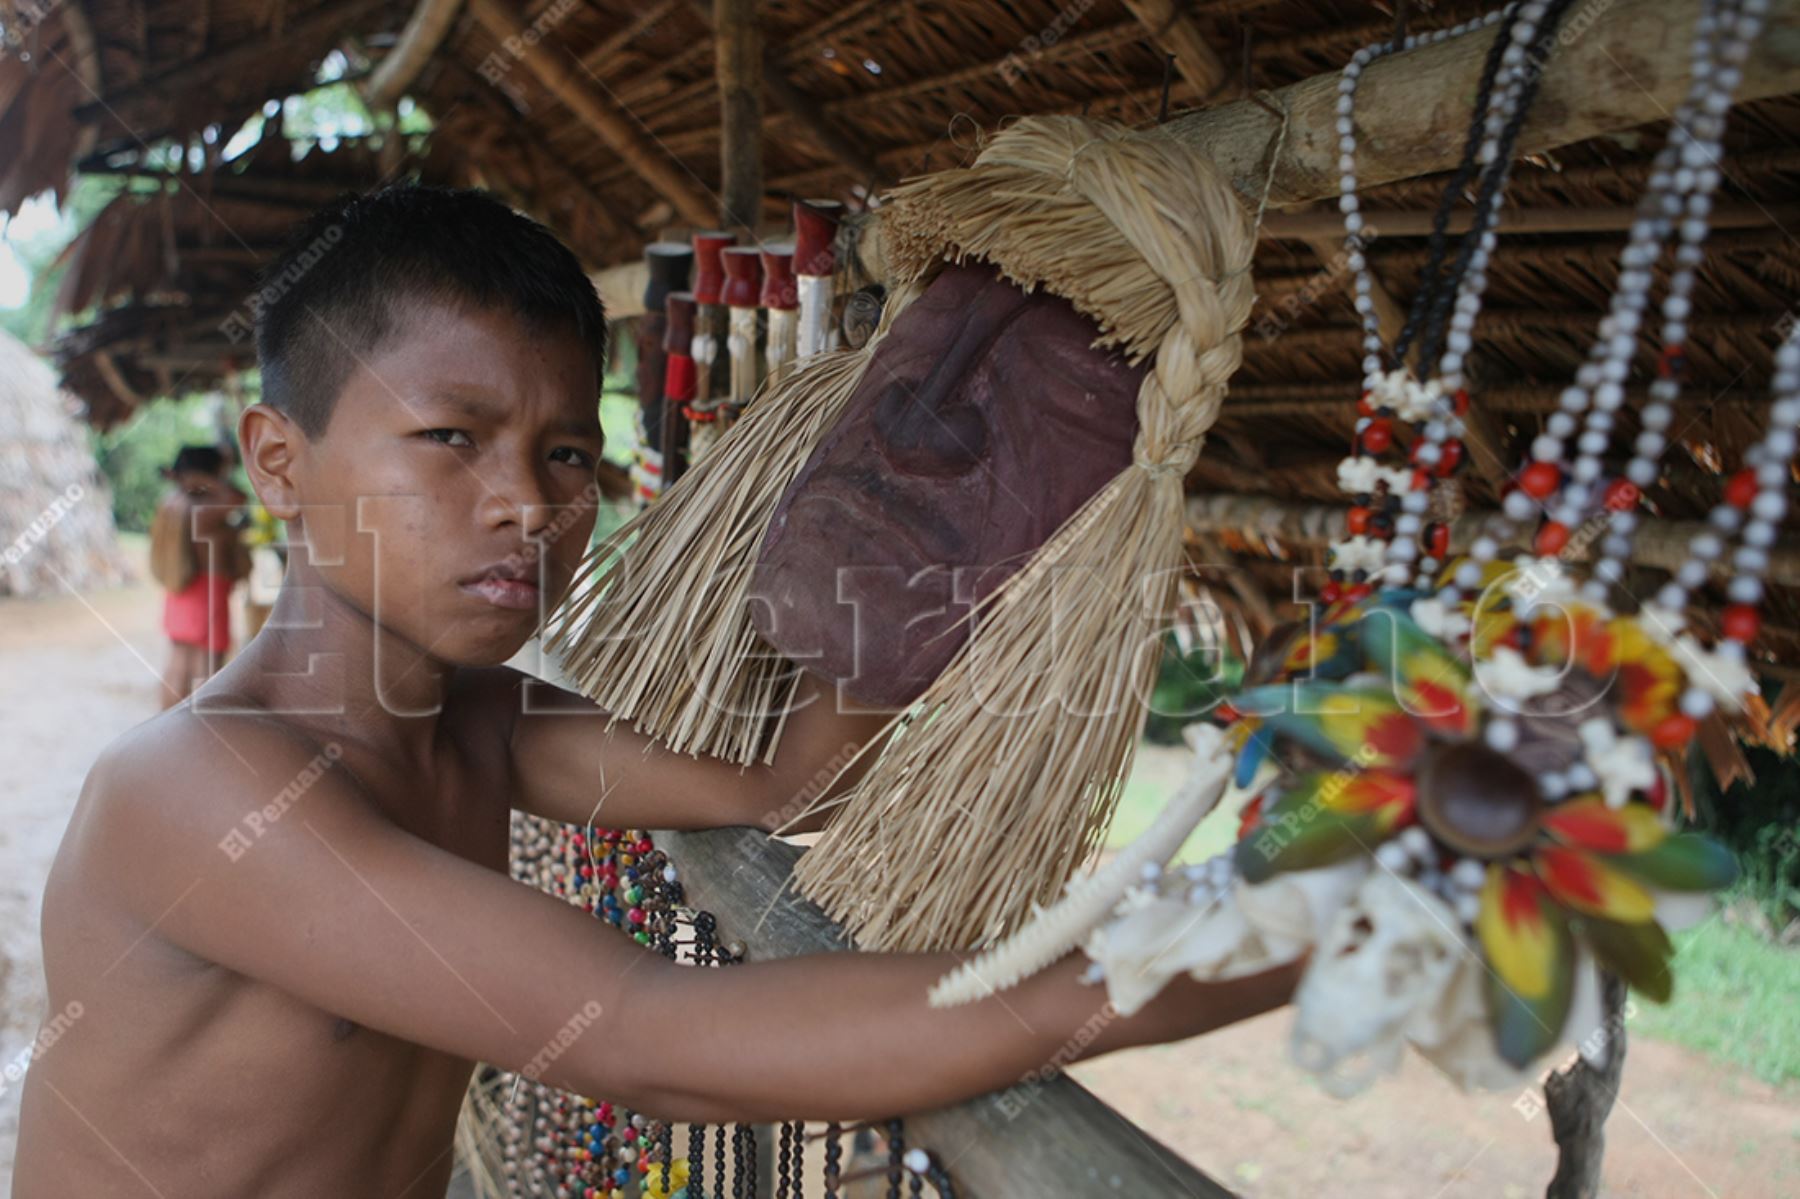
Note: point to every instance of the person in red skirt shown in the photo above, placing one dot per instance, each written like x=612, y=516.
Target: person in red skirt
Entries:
x=196, y=555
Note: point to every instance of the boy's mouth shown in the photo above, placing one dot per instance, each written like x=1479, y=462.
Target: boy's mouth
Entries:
x=505, y=585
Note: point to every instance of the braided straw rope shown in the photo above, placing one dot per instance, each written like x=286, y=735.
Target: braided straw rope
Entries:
x=1002, y=780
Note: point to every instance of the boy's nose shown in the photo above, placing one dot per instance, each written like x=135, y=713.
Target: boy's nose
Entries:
x=520, y=499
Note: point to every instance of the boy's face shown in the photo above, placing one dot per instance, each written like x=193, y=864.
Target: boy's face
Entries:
x=452, y=492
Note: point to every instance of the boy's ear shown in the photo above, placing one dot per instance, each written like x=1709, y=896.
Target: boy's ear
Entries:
x=272, y=446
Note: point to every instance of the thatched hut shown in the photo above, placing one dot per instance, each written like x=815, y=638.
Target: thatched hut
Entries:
x=622, y=124
x=55, y=506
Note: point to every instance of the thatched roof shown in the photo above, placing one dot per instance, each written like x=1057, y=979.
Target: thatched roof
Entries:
x=55, y=506
x=605, y=121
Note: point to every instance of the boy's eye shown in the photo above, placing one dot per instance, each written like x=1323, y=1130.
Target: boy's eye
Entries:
x=574, y=456
x=448, y=436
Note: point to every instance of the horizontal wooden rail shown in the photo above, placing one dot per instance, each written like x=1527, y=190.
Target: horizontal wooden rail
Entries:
x=1053, y=1138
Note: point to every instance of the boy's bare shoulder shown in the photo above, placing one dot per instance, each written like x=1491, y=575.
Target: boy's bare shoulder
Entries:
x=171, y=788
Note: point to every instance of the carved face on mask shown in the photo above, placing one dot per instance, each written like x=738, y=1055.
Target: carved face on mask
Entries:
x=985, y=419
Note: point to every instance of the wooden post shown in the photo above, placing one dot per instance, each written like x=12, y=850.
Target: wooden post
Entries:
x=740, y=62
x=1049, y=1137
x=550, y=64
x=1580, y=1098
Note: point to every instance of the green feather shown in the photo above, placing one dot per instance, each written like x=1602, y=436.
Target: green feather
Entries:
x=1638, y=953
x=1681, y=862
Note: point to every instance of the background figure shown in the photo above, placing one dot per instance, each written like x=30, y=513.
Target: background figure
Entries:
x=196, y=554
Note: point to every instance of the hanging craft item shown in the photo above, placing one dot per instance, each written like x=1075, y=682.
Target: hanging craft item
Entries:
x=781, y=299
x=668, y=264
x=1459, y=790
x=815, y=262
x=712, y=377
x=528, y=1140
x=679, y=381
x=1003, y=458
x=542, y=1141
x=743, y=290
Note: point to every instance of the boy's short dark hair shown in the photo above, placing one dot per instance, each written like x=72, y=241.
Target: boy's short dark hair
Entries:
x=349, y=272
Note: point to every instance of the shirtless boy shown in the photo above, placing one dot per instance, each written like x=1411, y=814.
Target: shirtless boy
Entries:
x=292, y=1006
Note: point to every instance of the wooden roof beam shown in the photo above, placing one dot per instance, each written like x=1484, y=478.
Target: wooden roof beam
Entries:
x=665, y=174
x=1615, y=218
x=602, y=55
x=1629, y=68
x=1261, y=401
x=1177, y=36
x=424, y=32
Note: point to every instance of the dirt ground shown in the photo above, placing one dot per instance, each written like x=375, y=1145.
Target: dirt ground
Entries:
x=75, y=672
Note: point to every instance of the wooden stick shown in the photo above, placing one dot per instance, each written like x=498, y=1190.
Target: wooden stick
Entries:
x=780, y=299
x=815, y=263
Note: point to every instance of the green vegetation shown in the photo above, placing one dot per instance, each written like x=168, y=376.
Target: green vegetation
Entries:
x=132, y=455
x=1734, y=1001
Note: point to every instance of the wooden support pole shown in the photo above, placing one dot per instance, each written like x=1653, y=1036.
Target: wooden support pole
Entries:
x=1046, y=1136
x=1628, y=67
x=809, y=115
x=549, y=64
x=419, y=40
x=1176, y=34
x=1310, y=226
x=739, y=46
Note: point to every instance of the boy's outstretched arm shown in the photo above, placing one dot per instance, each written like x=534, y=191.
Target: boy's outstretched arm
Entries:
x=332, y=903
x=568, y=765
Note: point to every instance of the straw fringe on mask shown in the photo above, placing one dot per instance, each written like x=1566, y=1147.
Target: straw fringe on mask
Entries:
x=659, y=632
x=1004, y=777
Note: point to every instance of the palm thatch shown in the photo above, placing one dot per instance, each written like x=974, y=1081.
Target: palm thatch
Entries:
x=56, y=524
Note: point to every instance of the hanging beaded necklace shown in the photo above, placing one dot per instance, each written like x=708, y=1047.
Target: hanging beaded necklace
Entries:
x=1494, y=741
